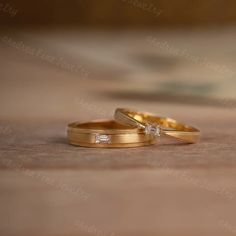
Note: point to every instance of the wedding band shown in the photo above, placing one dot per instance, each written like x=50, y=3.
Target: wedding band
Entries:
x=107, y=133
x=156, y=126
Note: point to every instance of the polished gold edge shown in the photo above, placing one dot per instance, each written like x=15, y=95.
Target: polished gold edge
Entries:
x=110, y=127
x=111, y=145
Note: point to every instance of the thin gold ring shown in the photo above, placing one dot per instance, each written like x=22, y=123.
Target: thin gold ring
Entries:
x=107, y=133
x=156, y=126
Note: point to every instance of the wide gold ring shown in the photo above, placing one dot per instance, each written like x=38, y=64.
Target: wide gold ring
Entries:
x=156, y=126
x=107, y=133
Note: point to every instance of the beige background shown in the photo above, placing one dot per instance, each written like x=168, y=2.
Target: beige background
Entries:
x=48, y=187
x=64, y=61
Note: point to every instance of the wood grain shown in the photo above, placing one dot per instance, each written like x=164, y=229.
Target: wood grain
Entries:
x=48, y=187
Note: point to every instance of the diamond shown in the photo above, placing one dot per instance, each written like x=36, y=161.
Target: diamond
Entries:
x=102, y=138
x=152, y=129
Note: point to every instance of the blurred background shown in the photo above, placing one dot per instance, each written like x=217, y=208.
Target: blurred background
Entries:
x=61, y=57
x=62, y=61
x=114, y=14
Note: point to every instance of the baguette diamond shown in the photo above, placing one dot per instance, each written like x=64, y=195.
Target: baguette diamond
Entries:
x=102, y=138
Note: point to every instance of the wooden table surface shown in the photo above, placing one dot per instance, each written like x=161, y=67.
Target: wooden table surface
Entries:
x=50, y=188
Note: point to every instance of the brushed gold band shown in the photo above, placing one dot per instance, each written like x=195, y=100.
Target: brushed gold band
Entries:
x=107, y=133
x=155, y=125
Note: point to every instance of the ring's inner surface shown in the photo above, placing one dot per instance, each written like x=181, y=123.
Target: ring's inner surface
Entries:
x=101, y=125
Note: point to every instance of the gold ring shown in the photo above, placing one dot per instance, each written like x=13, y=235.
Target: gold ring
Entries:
x=155, y=126
x=107, y=133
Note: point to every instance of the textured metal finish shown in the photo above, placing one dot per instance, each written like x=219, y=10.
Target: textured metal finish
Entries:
x=107, y=133
x=169, y=127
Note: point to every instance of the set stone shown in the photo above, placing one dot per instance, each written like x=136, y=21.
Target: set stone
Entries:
x=102, y=138
x=152, y=129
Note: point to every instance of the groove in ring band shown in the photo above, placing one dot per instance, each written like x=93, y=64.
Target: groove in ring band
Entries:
x=169, y=127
